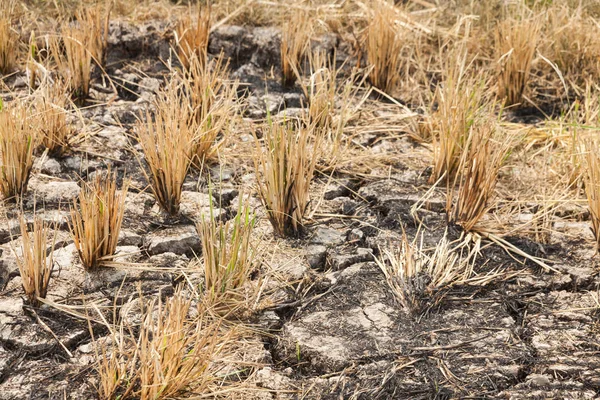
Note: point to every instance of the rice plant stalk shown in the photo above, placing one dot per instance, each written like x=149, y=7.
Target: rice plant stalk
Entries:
x=191, y=40
x=96, y=219
x=384, y=48
x=168, y=140
x=228, y=256
x=295, y=37
x=483, y=156
x=18, y=137
x=35, y=259
x=286, y=167
x=516, y=42
x=51, y=107
x=591, y=176
x=8, y=38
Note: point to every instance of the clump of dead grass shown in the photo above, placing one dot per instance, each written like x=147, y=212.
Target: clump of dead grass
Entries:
x=214, y=105
x=35, y=259
x=8, y=38
x=460, y=99
x=191, y=40
x=73, y=58
x=483, y=155
x=591, y=174
x=284, y=170
x=172, y=352
x=51, y=110
x=516, y=42
x=384, y=48
x=95, y=20
x=418, y=277
x=295, y=37
x=18, y=138
x=228, y=256
x=168, y=139
x=96, y=218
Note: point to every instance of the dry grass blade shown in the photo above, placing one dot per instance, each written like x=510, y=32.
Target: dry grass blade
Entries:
x=54, y=129
x=459, y=101
x=415, y=277
x=73, y=58
x=295, y=38
x=228, y=256
x=284, y=172
x=214, y=105
x=96, y=219
x=171, y=353
x=384, y=48
x=18, y=137
x=167, y=140
x=478, y=171
x=330, y=106
x=592, y=183
x=8, y=38
x=96, y=21
x=516, y=42
x=35, y=258
x=192, y=40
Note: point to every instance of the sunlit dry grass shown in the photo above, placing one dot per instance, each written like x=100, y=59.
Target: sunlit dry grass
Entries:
x=191, y=39
x=35, y=259
x=51, y=105
x=18, y=137
x=214, y=104
x=295, y=37
x=284, y=170
x=8, y=37
x=516, y=43
x=168, y=138
x=483, y=155
x=384, y=48
x=459, y=99
x=228, y=257
x=171, y=353
x=96, y=218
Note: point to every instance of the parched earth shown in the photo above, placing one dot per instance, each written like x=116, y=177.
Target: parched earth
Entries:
x=336, y=330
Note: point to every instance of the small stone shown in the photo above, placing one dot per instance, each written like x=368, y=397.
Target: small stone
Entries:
x=178, y=240
x=340, y=188
x=316, y=256
x=356, y=235
x=341, y=261
x=129, y=238
x=327, y=236
x=53, y=192
x=49, y=166
x=538, y=380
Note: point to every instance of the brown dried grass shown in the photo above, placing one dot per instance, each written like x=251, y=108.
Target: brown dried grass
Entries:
x=18, y=137
x=295, y=37
x=96, y=218
x=168, y=139
x=384, y=48
x=191, y=40
x=516, y=43
x=284, y=170
x=35, y=259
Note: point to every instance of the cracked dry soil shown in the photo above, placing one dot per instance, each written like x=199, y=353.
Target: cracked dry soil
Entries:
x=336, y=331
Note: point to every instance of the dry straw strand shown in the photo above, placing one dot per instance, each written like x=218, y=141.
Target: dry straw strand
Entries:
x=287, y=166
x=18, y=137
x=516, y=42
x=384, y=48
x=96, y=219
x=35, y=259
x=168, y=142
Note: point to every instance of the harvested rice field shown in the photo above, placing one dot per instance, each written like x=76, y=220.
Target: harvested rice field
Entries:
x=303, y=199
